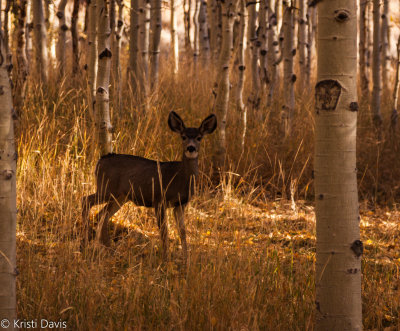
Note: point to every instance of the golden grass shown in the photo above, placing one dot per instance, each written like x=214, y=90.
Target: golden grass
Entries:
x=252, y=250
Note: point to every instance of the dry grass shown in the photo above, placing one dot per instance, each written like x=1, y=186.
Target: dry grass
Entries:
x=251, y=253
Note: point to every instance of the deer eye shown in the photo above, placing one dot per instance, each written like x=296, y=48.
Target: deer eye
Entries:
x=198, y=138
x=184, y=137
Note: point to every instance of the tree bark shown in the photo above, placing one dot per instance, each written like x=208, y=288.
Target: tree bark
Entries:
x=174, y=40
x=222, y=100
x=144, y=34
x=363, y=48
x=262, y=41
x=40, y=40
x=302, y=43
x=289, y=77
x=134, y=55
x=8, y=54
x=116, y=59
x=394, y=116
x=204, y=38
x=103, y=79
x=252, y=55
x=74, y=35
x=196, y=37
x=376, y=68
x=186, y=14
x=339, y=249
x=8, y=210
x=28, y=30
x=62, y=37
x=22, y=66
x=273, y=51
x=92, y=55
x=155, y=27
x=385, y=35
x=241, y=69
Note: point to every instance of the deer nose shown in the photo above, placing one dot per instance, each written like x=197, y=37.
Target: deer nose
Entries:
x=191, y=149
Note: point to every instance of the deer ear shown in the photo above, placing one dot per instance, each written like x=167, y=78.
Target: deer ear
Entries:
x=208, y=125
x=175, y=123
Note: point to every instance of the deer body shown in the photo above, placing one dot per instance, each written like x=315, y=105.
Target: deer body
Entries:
x=149, y=183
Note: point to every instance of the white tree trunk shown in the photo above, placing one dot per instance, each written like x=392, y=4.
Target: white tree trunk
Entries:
x=74, y=37
x=289, y=77
x=339, y=249
x=262, y=41
x=196, y=37
x=204, y=38
x=363, y=48
x=21, y=61
x=103, y=78
x=394, y=116
x=302, y=43
x=252, y=56
x=222, y=99
x=62, y=37
x=92, y=53
x=40, y=40
x=8, y=210
x=155, y=27
x=116, y=58
x=385, y=37
x=273, y=51
x=174, y=39
x=144, y=35
x=241, y=68
x=376, y=68
x=134, y=55
x=28, y=30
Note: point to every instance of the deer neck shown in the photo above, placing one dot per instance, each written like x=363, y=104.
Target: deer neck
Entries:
x=190, y=167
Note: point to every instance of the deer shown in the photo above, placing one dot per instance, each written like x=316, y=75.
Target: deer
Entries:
x=149, y=183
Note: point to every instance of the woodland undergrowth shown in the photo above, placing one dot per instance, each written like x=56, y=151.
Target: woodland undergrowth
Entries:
x=251, y=238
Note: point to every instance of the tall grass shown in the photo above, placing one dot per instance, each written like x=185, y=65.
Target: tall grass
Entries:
x=251, y=251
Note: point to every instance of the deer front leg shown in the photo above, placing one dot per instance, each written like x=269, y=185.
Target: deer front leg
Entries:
x=87, y=203
x=180, y=222
x=163, y=226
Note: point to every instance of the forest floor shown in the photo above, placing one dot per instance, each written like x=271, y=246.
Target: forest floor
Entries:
x=251, y=268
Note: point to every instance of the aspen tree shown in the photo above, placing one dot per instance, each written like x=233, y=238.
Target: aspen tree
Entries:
x=311, y=27
x=222, y=99
x=339, y=249
x=8, y=55
x=394, y=116
x=40, y=40
x=196, y=37
x=74, y=35
x=187, y=13
x=134, y=54
x=21, y=61
x=28, y=30
x=273, y=51
x=302, y=42
x=376, y=68
x=174, y=39
x=8, y=210
x=385, y=37
x=289, y=77
x=103, y=78
x=92, y=54
x=116, y=58
x=62, y=36
x=155, y=27
x=144, y=37
x=241, y=68
x=213, y=14
x=262, y=41
x=252, y=55
x=204, y=38
x=363, y=47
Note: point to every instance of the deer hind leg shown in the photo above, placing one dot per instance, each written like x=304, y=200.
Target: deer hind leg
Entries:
x=163, y=226
x=104, y=216
x=87, y=203
x=180, y=222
